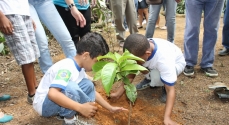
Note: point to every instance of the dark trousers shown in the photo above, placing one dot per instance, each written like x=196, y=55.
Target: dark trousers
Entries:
x=76, y=31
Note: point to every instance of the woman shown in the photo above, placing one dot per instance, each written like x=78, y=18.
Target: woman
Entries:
x=142, y=10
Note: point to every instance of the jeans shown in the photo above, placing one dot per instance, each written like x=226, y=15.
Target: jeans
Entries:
x=82, y=92
x=212, y=11
x=45, y=11
x=226, y=27
x=170, y=19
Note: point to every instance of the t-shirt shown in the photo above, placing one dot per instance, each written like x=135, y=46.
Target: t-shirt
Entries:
x=57, y=76
x=62, y=3
x=163, y=58
x=9, y=7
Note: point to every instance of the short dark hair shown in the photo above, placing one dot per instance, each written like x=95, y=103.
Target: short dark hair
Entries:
x=94, y=43
x=136, y=44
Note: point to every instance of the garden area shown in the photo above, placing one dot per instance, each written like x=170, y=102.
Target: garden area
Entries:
x=195, y=104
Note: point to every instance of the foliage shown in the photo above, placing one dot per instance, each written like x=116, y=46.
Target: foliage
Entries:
x=101, y=18
x=181, y=7
x=4, y=50
x=115, y=68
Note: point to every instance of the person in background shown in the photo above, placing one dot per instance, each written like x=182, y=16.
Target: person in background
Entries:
x=45, y=11
x=170, y=11
x=212, y=10
x=142, y=10
x=225, y=32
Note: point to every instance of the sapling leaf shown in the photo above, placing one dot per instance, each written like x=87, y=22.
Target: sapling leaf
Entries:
x=108, y=75
x=131, y=91
x=98, y=66
x=128, y=56
x=109, y=55
x=125, y=73
x=97, y=75
x=117, y=56
x=133, y=67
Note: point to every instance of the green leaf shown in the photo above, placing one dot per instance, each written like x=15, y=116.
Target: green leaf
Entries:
x=1, y=47
x=125, y=73
x=97, y=75
x=98, y=66
x=118, y=77
x=108, y=76
x=117, y=56
x=109, y=55
x=131, y=92
x=133, y=67
x=128, y=56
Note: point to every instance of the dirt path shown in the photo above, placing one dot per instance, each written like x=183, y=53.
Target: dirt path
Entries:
x=195, y=104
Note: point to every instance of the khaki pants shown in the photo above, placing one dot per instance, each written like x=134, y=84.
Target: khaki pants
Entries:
x=120, y=9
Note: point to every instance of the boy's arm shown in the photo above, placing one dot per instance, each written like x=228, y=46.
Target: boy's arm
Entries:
x=99, y=99
x=6, y=26
x=169, y=105
x=116, y=95
x=80, y=20
x=86, y=109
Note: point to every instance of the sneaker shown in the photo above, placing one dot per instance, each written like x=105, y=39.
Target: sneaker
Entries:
x=163, y=28
x=77, y=122
x=163, y=95
x=60, y=117
x=143, y=84
x=30, y=99
x=224, y=52
x=5, y=118
x=188, y=70
x=209, y=71
x=156, y=26
x=4, y=97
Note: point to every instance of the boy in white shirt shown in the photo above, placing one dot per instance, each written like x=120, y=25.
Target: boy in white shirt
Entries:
x=165, y=62
x=65, y=89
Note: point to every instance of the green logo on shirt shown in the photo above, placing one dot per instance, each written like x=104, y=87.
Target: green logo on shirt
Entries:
x=63, y=75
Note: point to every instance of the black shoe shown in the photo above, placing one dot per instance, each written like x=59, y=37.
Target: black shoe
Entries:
x=224, y=52
x=188, y=70
x=209, y=71
x=163, y=95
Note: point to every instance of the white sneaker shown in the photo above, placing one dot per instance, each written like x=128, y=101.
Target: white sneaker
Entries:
x=163, y=28
x=144, y=22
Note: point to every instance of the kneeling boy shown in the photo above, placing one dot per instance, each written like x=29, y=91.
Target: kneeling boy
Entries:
x=65, y=90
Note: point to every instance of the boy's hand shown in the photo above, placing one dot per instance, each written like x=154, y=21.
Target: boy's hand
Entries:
x=88, y=109
x=117, y=109
x=6, y=26
x=178, y=1
x=34, y=25
x=168, y=121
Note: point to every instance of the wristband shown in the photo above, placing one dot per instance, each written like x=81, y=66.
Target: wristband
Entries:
x=71, y=5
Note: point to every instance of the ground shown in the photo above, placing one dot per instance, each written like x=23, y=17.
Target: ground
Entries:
x=195, y=104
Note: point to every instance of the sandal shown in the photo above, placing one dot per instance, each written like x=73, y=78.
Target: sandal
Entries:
x=140, y=27
x=4, y=97
x=6, y=118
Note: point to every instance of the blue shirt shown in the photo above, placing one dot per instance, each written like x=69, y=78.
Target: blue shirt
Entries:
x=62, y=3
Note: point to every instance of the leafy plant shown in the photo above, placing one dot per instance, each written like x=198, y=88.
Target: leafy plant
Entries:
x=4, y=50
x=115, y=68
x=181, y=7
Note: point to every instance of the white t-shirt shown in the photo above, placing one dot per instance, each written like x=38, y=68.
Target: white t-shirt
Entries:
x=57, y=76
x=20, y=7
x=163, y=58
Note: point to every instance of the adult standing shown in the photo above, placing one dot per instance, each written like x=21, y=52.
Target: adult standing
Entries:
x=76, y=15
x=154, y=11
x=142, y=10
x=121, y=9
x=225, y=42
x=212, y=10
x=45, y=11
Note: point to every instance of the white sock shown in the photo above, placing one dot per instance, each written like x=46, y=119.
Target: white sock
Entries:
x=70, y=121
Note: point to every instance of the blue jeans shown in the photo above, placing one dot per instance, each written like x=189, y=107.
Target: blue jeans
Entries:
x=82, y=92
x=212, y=11
x=154, y=11
x=226, y=27
x=45, y=11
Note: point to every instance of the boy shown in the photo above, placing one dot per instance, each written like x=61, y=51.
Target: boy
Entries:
x=164, y=60
x=18, y=29
x=65, y=90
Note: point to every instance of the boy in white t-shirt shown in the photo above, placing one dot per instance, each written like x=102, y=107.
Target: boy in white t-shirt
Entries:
x=65, y=89
x=165, y=62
